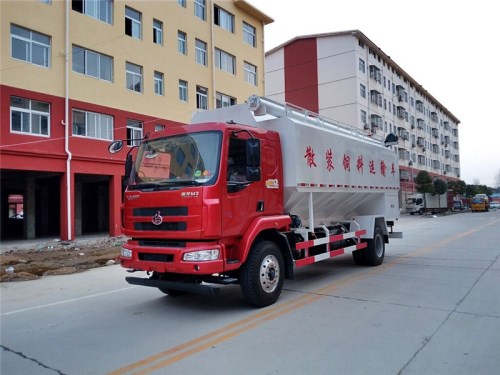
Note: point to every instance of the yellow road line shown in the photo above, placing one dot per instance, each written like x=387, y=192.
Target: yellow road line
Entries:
x=199, y=344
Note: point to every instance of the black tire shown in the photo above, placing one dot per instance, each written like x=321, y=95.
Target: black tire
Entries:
x=359, y=257
x=421, y=211
x=172, y=293
x=262, y=275
x=412, y=213
x=375, y=250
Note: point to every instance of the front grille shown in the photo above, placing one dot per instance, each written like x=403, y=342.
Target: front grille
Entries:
x=164, y=211
x=161, y=243
x=173, y=226
x=156, y=257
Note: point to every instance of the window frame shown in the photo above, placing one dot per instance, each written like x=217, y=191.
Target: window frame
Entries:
x=133, y=21
x=201, y=54
x=132, y=74
x=221, y=61
x=159, y=83
x=221, y=18
x=135, y=132
x=201, y=97
x=249, y=34
x=103, y=12
x=100, y=57
x=29, y=43
x=224, y=100
x=200, y=9
x=250, y=73
x=107, y=128
x=30, y=112
x=157, y=32
x=182, y=42
x=183, y=90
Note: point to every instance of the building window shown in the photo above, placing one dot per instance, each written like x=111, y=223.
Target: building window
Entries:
x=181, y=42
x=134, y=132
x=92, y=63
x=157, y=32
x=361, y=66
x=183, y=90
x=29, y=116
x=249, y=34
x=250, y=73
x=200, y=9
x=132, y=23
x=134, y=77
x=159, y=127
x=182, y=3
x=201, y=97
x=363, y=116
x=30, y=46
x=223, y=19
x=201, y=52
x=98, y=9
x=92, y=125
x=224, y=100
x=158, y=79
x=362, y=90
x=225, y=61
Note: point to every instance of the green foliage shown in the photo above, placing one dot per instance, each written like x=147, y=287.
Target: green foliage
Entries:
x=440, y=187
x=458, y=187
x=472, y=190
x=424, y=183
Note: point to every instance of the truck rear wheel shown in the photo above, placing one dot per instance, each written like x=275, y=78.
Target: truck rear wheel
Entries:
x=262, y=275
x=375, y=250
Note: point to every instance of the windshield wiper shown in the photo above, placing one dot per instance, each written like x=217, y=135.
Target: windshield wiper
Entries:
x=164, y=185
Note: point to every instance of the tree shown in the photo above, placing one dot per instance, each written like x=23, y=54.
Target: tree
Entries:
x=424, y=184
x=440, y=187
x=458, y=187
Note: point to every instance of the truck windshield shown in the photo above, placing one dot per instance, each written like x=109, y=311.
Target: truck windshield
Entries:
x=180, y=160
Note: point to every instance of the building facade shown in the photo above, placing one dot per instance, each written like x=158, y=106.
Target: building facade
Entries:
x=77, y=74
x=346, y=77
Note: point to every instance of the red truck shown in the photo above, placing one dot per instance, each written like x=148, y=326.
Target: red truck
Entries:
x=248, y=193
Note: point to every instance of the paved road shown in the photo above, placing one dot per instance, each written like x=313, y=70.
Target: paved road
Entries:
x=433, y=307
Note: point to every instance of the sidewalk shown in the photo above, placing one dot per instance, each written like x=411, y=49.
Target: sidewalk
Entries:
x=48, y=243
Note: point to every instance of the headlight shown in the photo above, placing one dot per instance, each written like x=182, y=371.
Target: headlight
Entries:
x=202, y=255
x=126, y=253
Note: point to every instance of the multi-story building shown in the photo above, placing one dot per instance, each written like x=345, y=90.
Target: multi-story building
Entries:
x=346, y=77
x=78, y=74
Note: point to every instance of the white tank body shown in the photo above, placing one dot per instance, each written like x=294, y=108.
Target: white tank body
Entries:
x=342, y=172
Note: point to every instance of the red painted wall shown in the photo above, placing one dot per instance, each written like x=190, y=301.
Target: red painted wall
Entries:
x=301, y=74
x=27, y=152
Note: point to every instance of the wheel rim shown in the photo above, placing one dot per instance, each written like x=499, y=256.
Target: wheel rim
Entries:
x=269, y=274
x=379, y=246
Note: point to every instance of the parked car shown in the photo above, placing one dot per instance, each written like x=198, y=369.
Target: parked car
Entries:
x=458, y=205
x=494, y=205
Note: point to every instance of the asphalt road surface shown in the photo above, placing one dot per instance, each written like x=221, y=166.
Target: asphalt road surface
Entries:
x=433, y=307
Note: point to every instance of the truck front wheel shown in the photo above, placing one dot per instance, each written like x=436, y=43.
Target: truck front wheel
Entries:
x=375, y=250
x=262, y=275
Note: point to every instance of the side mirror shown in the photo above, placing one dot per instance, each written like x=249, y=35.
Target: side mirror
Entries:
x=253, y=152
x=115, y=147
x=253, y=174
x=391, y=140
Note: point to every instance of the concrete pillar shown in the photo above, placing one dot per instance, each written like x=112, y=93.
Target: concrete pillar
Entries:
x=29, y=209
x=78, y=209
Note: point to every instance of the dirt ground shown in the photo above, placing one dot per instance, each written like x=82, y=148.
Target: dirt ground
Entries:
x=25, y=262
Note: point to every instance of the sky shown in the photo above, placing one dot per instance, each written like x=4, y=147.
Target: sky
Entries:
x=449, y=47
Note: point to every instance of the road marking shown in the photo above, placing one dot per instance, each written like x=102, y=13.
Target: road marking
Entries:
x=220, y=335
x=67, y=301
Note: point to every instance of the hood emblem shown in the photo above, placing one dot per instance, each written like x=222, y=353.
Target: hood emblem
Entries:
x=157, y=219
